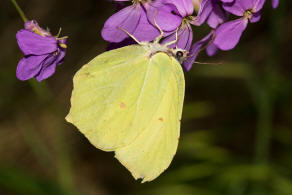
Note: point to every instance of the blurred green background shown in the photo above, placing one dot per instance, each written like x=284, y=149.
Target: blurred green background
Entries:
x=236, y=135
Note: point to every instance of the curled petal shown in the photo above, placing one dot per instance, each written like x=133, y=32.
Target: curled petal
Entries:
x=61, y=52
x=206, y=8
x=33, y=44
x=48, y=68
x=185, y=38
x=211, y=50
x=195, y=50
x=29, y=66
x=216, y=17
x=61, y=56
x=255, y=17
x=128, y=19
x=33, y=26
x=229, y=33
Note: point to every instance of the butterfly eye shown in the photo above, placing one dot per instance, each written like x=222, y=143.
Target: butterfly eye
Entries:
x=179, y=54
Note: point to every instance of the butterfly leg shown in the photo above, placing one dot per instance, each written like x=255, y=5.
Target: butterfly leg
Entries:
x=174, y=41
x=157, y=39
x=130, y=35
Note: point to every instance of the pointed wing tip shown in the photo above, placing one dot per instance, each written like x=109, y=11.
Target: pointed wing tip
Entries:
x=68, y=118
x=136, y=175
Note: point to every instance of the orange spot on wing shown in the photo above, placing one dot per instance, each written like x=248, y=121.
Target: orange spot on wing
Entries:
x=122, y=105
x=161, y=119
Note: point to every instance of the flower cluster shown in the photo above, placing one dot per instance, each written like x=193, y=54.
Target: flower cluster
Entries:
x=178, y=17
x=42, y=52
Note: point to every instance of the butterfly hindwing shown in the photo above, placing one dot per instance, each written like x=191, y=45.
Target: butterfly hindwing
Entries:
x=152, y=151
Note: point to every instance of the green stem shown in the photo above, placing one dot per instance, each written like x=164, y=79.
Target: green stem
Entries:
x=34, y=141
x=264, y=127
x=63, y=159
x=19, y=10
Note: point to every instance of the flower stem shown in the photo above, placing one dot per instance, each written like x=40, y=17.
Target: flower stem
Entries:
x=19, y=10
x=264, y=128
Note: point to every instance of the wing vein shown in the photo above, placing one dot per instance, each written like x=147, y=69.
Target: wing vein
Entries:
x=141, y=93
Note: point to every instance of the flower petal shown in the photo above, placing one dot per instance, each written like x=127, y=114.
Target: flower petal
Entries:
x=184, y=7
x=255, y=17
x=61, y=52
x=185, y=38
x=61, y=56
x=145, y=31
x=127, y=18
x=33, y=44
x=163, y=14
x=204, y=11
x=211, y=50
x=275, y=3
x=29, y=67
x=216, y=17
x=229, y=33
x=48, y=68
x=239, y=7
x=258, y=5
x=195, y=50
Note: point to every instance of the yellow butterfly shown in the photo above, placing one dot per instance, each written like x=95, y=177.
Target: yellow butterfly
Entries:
x=129, y=101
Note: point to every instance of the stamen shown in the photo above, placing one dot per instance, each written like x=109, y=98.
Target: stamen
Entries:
x=63, y=45
x=61, y=38
x=248, y=14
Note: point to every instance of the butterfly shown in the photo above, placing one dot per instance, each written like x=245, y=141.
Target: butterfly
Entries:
x=129, y=101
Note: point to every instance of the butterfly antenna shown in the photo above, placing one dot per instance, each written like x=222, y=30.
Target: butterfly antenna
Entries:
x=208, y=63
x=130, y=35
x=158, y=27
x=174, y=41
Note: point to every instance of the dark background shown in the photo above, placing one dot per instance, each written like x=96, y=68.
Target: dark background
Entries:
x=236, y=136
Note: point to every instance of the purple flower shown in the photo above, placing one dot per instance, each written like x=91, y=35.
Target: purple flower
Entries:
x=133, y=19
x=42, y=52
x=184, y=9
x=175, y=18
x=211, y=12
x=229, y=33
x=196, y=49
x=167, y=14
x=217, y=15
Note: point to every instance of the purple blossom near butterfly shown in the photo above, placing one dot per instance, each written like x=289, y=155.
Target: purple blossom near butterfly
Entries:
x=42, y=52
x=217, y=15
x=196, y=49
x=175, y=17
x=229, y=33
x=211, y=12
x=133, y=19
x=168, y=14
x=184, y=9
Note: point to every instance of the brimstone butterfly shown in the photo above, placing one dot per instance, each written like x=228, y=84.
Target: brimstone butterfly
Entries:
x=129, y=101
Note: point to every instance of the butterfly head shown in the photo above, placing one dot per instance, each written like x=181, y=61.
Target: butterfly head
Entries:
x=180, y=54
